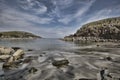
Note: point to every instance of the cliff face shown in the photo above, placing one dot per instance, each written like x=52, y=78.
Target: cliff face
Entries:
x=17, y=34
x=104, y=29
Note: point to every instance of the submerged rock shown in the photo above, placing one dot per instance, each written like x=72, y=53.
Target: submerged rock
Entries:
x=33, y=70
x=30, y=50
x=16, y=48
x=60, y=63
x=109, y=58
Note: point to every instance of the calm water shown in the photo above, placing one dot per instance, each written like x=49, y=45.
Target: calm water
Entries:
x=39, y=44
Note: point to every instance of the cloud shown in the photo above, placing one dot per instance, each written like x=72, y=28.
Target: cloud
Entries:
x=15, y=18
x=104, y=13
x=33, y=6
x=66, y=19
x=62, y=4
x=59, y=6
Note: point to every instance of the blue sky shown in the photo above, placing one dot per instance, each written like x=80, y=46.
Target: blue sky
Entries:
x=54, y=18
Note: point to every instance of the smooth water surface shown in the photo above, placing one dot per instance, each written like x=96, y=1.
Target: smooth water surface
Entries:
x=39, y=44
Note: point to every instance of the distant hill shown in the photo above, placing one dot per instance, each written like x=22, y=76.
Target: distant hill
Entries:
x=17, y=34
x=103, y=29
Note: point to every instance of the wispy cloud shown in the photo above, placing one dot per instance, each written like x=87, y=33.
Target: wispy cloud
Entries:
x=32, y=5
x=81, y=11
x=15, y=18
x=103, y=13
x=59, y=6
x=62, y=4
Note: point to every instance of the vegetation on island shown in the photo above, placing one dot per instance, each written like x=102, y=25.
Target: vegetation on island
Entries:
x=17, y=34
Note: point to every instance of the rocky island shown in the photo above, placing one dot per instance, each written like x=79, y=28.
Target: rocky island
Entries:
x=17, y=35
x=106, y=30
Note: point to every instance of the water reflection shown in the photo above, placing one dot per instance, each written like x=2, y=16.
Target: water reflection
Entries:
x=83, y=43
x=39, y=44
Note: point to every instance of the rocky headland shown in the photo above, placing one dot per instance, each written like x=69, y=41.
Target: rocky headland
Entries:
x=106, y=30
x=17, y=35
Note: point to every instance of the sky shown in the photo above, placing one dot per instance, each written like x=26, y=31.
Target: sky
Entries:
x=54, y=18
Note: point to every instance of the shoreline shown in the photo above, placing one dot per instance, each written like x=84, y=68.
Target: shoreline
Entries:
x=17, y=38
x=89, y=39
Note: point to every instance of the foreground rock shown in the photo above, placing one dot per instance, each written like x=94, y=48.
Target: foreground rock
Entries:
x=6, y=51
x=18, y=54
x=60, y=63
x=11, y=62
x=4, y=57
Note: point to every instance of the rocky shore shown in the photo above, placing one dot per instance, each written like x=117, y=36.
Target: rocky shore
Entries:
x=89, y=39
x=91, y=62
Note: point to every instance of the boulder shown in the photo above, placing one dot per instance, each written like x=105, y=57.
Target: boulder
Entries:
x=60, y=63
x=8, y=65
x=6, y=51
x=18, y=54
x=13, y=60
x=4, y=57
x=10, y=60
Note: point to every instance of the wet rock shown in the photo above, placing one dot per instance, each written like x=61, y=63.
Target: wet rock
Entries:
x=6, y=51
x=33, y=70
x=12, y=65
x=10, y=60
x=60, y=63
x=13, y=61
x=16, y=48
x=30, y=50
x=18, y=54
x=41, y=55
x=109, y=58
x=97, y=45
x=7, y=65
x=4, y=57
